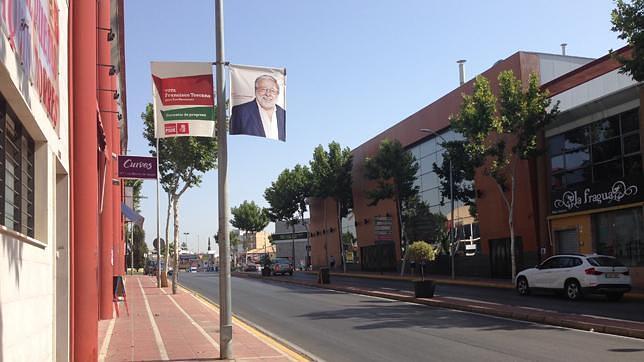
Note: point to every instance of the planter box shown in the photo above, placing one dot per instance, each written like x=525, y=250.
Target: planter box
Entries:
x=424, y=288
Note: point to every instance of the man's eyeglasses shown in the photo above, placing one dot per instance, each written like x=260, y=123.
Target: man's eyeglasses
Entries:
x=271, y=91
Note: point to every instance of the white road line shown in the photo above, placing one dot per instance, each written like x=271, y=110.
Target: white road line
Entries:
x=203, y=332
x=155, y=329
x=106, y=341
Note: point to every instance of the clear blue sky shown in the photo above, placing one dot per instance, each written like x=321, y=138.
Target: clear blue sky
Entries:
x=354, y=69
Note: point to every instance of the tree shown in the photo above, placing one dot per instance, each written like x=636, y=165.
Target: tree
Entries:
x=628, y=20
x=395, y=171
x=249, y=217
x=331, y=173
x=500, y=133
x=182, y=162
x=421, y=252
x=135, y=235
x=287, y=198
x=463, y=171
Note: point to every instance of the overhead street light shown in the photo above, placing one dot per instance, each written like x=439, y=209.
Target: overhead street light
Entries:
x=451, y=200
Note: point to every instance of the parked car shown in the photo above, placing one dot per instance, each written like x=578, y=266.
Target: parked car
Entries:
x=282, y=266
x=250, y=268
x=576, y=275
x=193, y=269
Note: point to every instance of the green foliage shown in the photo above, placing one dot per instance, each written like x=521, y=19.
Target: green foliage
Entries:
x=287, y=195
x=421, y=224
x=421, y=251
x=628, y=20
x=348, y=239
x=331, y=175
x=140, y=247
x=181, y=159
x=520, y=113
x=234, y=239
x=249, y=217
x=395, y=171
x=137, y=186
x=463, y=171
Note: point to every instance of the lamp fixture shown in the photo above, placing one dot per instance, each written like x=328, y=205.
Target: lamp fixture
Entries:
x=112, y=70
x=110, y=33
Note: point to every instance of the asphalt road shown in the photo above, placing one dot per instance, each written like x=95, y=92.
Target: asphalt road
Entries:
x=338, y=326
x=598, y=305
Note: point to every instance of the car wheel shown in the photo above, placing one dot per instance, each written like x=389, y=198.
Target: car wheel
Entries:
x=522, y=286
x=572, y=290
x=614, y=296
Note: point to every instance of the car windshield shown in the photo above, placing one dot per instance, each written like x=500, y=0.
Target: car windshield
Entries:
x=282, y=261
x=604, y=261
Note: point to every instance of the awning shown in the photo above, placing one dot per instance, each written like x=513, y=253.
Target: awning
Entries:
x=132, y=215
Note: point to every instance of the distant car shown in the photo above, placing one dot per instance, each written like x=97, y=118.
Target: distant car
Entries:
x=576, y=275
x=250, y=268
x=193, y=269
x=282, y=266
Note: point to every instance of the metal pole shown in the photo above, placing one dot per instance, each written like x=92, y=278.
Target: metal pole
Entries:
x=158, y=225
x=132, y=250
x=451, y=229
x=225, y=313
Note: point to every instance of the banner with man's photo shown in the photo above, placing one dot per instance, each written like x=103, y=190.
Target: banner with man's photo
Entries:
x=258, y=100
x=183, y=99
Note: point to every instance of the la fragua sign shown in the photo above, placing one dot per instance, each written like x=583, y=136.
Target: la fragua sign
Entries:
x=598, y=195
x=137, y=167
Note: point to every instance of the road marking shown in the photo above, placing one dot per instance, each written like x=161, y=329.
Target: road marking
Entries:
x=106, y=341
x=155, y=328
x=263, y=336
x=201, y=330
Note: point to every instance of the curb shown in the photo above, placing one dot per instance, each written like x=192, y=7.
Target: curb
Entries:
x=549, y=318
x=278, y=342
x=638, y=295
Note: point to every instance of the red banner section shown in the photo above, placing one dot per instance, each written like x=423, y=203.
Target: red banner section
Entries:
x=185, y=91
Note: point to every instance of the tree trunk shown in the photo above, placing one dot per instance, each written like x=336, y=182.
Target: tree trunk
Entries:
x=344, y=262
x=175, y=212
x=401, y=228
x=167, y=243
x=511, y=224
x=293, y=242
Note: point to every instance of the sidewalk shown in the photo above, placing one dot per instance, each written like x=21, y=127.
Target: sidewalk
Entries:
x=181, y=327
x=543, y=316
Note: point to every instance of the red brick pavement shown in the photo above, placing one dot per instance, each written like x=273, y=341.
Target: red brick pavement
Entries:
x=188, y=329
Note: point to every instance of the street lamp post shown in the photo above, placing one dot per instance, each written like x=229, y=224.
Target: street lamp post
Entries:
x=451, y=199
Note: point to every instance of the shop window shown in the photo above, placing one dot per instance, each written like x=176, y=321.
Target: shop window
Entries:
x=633, y=165
x=632, y=143
x=606, y=150
x=16, y=174
x=577, y=159
x=575, y=139
x=578, y=176
x=555, y=145
x=605, y=129
x=620, y=234
x=557, y=163
x=630, y=121
x=607, y=170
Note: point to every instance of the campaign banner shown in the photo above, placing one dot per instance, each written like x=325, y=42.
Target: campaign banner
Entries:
x=137, y=167
x=258, y=100
x=183, y=99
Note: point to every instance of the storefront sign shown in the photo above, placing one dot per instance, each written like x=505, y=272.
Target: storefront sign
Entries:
x=383, y=227
x=32, y=30
x=597, y=195
x=137, y=167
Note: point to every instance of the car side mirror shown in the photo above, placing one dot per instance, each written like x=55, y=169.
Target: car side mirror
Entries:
x=538, y=266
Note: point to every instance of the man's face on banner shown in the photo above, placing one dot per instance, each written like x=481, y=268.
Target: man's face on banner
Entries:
x=266, y=92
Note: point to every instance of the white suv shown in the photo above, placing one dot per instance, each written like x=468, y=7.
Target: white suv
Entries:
x=576, y=274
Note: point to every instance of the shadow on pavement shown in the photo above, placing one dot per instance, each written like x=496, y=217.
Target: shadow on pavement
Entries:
x=382, y=315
